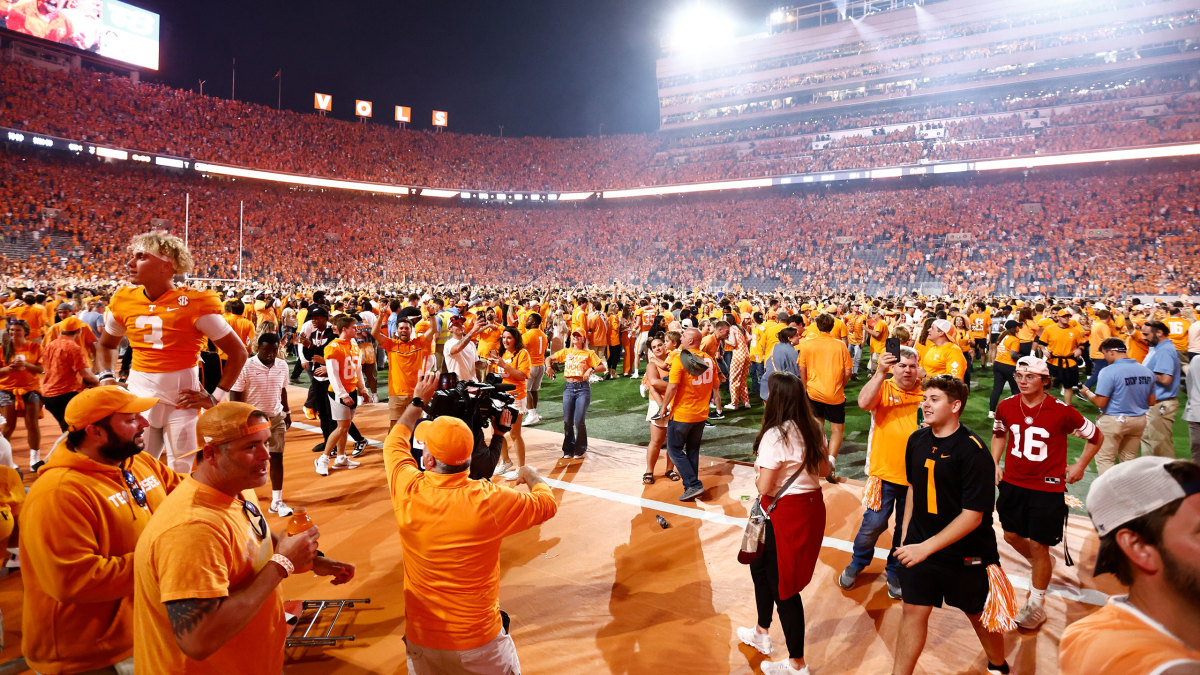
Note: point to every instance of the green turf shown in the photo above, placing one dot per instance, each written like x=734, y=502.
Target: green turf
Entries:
x=618, y=413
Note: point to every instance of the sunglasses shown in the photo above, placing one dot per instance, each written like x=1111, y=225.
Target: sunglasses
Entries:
x=257, y=522
x=135, y=489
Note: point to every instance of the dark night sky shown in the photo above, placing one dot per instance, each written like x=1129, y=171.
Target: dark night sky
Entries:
x=540, y=68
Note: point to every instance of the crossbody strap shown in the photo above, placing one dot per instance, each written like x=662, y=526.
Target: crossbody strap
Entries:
x=788, y=484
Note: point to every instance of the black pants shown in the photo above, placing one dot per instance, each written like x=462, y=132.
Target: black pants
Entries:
x=616, y=356
x=1002, y=374
x=57, y=405
x=765, y=573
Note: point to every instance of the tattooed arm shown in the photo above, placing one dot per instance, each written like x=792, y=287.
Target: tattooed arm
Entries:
x=204, y=625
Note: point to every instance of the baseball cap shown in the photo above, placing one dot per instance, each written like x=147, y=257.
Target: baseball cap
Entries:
x=1064, y=312
x=227, y=421
x=318, y=311
x=1099, y=306
x=1131, y=490
x=447, y=438
x=71, y=324
x=943, y=325
x=1033, y=365
x=92, y=405
x=457, y=319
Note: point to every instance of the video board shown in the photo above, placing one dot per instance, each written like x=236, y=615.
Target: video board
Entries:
x=109, y=28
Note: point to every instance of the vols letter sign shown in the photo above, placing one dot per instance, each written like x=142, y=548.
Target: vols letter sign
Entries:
x=362, y=108
x=323, y=102
x=440, y=118
x=403, y=113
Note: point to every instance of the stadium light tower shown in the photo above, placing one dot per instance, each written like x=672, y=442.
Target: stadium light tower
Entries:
x=699, y=29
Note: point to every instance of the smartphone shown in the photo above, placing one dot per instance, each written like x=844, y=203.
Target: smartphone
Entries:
x=892, y=346
x=447, y=381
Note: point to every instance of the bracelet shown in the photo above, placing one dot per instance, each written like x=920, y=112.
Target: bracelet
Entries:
x=282, y=561
x=105, y=375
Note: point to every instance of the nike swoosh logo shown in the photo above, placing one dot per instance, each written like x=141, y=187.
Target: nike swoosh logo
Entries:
x=172, y=309
x=945, y=456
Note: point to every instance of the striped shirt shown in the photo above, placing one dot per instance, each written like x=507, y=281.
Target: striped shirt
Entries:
x=262, y=384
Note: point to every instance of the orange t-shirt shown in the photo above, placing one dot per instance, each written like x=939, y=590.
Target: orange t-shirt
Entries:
x=34, y=315
x=405, y=360
x=710, y=345
x=200, y=544
x=242, y=327
x=162, y=332
x=1010, y=343
x=63, y=359
x=693, y=393
x=825, y=360
x=535, y=342
x=1120, y=638
x=22, y=380
x=892, y=421
x=576, y=361
x=349, y=362
x=944, y=360
x=980, y=323
x=614, y=330
x=597, y=330
x=489, y=340
x=521, y=361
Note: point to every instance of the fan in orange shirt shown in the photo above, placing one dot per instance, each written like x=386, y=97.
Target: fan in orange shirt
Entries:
x=166, y=328
x=20, y=388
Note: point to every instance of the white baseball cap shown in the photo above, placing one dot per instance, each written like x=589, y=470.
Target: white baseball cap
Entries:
x=1099, y=306
x=1033, y=365
x=1133, y=489
x=943, y=325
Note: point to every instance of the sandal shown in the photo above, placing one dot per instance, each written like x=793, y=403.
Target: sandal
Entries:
x=648, y=478
x=672, y=474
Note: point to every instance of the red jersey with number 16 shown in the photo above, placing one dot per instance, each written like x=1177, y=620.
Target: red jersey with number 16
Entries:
x=1037, y=450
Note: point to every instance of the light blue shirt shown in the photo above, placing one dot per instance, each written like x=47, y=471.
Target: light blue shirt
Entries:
x=1164, y=360
x=1128, y=385
x=783, y=357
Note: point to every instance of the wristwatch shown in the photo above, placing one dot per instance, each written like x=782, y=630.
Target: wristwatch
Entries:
x=417, y=402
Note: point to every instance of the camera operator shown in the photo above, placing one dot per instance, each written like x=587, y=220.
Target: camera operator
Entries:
x=450, y=531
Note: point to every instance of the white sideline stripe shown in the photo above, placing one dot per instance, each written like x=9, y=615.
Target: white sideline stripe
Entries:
x=1085, y=595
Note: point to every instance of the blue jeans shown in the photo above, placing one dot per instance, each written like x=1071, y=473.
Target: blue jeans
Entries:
x=1099, y=365
x=577, y=396
x=683, y=447
x=893, y=497
x=756, y=373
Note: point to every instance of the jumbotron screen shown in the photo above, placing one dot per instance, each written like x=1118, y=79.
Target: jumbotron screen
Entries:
x=110, y=28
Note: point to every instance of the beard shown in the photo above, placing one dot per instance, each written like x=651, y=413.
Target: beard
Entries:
x=118, y=450
x=1183, y=578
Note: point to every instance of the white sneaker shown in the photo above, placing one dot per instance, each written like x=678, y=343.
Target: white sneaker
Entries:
x=322, y=464
x=731, y=406
x=502, y=468
x=784, y=666
x=635, y=375
x=280, y=508
x=510, y=475
x=344, y=462
x=642, y=390
x=35, y=458
x=759, y=641
x=532, y=418
x=1030, y=617
x=991, y=415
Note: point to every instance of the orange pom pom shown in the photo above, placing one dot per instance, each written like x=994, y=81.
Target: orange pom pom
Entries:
x=1000, y=609
x=872, y=496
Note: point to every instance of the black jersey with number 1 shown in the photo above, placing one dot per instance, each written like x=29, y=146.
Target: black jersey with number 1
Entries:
x=949, y=475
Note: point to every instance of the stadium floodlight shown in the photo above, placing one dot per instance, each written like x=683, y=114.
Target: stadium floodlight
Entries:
x=439, y=194
x=777, y=17
x=699, y=28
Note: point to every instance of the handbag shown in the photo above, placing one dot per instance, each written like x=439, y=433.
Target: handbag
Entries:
x=756, y=525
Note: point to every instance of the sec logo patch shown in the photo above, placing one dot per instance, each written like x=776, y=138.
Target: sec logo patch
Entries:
x=183, y=300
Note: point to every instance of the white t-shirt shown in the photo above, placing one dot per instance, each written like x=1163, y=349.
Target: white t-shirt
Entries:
x=462, y=363
x=773, y=453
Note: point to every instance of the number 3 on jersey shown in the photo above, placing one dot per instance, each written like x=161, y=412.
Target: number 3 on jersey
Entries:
x=1034, y=442
x=703, y=379
x=153, y=326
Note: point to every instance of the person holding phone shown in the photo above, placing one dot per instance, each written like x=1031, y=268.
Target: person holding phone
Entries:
x=513, y=363
x=20, y=387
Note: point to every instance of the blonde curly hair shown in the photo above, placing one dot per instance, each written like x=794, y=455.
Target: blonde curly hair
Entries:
x=160, y=243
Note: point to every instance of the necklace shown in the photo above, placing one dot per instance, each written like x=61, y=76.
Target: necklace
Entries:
x=1029, y=416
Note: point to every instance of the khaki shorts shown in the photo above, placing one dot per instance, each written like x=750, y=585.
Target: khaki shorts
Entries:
x=275, y=442
x=397, y=405
x=499, y=657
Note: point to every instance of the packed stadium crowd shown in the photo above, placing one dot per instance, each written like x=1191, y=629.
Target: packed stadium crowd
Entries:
x=879, y=65
x=111, y=110
x=1114, y=231
x=884, y=41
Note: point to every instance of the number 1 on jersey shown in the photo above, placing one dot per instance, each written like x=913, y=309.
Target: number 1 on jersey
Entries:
x=154, y=330
x=930, y=488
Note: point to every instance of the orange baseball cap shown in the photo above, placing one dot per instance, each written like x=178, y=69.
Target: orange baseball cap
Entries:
x=227, y=421
x=71, y=324
x=447, y=438
x=92, y=405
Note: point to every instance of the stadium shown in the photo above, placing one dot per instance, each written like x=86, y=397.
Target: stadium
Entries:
x=928, y=171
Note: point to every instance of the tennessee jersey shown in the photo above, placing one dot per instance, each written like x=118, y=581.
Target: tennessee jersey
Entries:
x=349, y=362
x=944, y=360
x=163, y=332
x=1037, y=441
